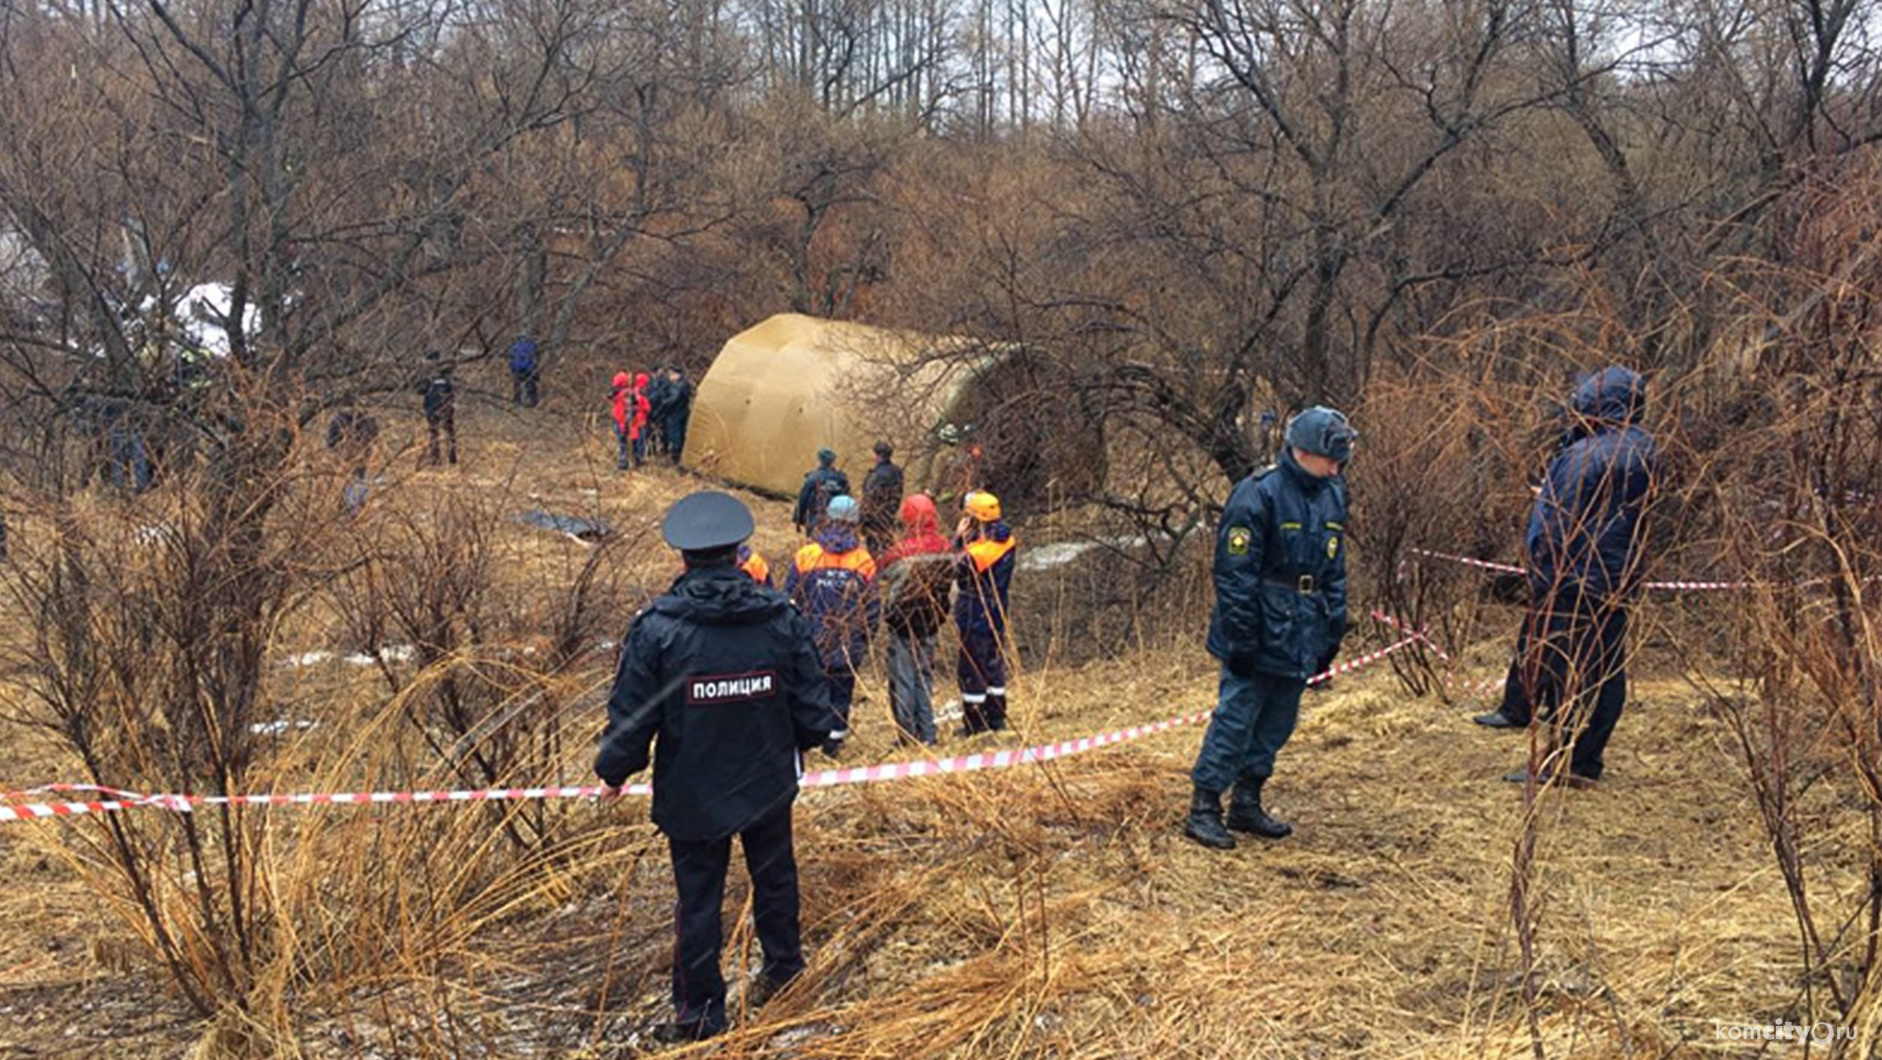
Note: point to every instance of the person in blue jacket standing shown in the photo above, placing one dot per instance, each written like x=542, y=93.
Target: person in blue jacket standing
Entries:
x=1586, y=559
x=525, y=372
x=1280, y=614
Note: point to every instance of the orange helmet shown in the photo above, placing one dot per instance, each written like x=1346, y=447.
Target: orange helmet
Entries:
x=983, y=506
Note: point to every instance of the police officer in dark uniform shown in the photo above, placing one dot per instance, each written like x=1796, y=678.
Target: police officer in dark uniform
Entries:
x=1280, y=613
x=724, y=674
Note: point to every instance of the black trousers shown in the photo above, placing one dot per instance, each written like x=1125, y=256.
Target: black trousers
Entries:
x=1571, y=667
x=443, y=422
x=699, y=877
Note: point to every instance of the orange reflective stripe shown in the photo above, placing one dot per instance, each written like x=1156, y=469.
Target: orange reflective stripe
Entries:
x=809, y=558
x=813, y=557
x=986, y=553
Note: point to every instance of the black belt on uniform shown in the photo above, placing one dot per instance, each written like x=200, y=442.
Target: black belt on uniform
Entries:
x=1303, y=585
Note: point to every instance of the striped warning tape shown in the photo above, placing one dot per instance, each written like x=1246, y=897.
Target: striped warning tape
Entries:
x=118, y=799
x=1509, y=568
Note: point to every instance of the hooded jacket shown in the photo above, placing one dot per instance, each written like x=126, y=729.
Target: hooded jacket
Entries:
x=984, y=576
x=641, y=406
x=833, y=580
x=719, y=676
x=1585, y=528
x=1280, y=571
x=619, y=396
x=917, y=573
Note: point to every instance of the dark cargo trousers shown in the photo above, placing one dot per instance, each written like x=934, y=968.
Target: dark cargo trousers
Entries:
x=1572, y=670
x=1254, y=716
x=699, y=877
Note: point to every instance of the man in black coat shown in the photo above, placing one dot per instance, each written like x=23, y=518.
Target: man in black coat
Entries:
x=440, y=397
x=659, y=401
x=723, y=673
x=679, y=410
x=882, y=500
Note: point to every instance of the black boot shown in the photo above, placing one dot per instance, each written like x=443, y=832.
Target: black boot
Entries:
x=974, y=718
x=1246, y=814
x=1205, y=820
x=996, y=711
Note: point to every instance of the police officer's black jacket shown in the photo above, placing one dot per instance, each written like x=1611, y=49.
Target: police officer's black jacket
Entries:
x=1280, y=572
x=725, y=672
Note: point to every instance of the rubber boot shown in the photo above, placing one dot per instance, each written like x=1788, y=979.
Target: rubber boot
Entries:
x=974, y=718
x=996, y=711
x=1205, y=820
x=1246, y=814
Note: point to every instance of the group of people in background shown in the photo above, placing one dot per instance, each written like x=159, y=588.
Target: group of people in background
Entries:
x=649, y=411
x=649, y=414
x=883, y=562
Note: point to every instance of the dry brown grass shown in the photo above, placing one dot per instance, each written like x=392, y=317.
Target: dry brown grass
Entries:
x=1047, y=911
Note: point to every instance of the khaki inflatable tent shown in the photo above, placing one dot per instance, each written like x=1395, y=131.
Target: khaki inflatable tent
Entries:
x=962, y=415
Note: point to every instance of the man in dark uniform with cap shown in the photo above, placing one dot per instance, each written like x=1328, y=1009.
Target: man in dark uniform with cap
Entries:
x=1280, y=614
x=723, y=674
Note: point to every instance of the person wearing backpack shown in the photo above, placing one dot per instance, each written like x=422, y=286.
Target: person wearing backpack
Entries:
x=917, y=574
x=833, y=581
x=821, y=484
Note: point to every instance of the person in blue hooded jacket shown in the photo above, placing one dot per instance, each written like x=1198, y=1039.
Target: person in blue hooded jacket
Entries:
x=1280, y=614
x=1586, y=560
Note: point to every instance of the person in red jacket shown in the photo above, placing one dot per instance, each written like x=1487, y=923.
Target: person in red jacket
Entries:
x=637, y=430
x=619, y=397
x=917, y=574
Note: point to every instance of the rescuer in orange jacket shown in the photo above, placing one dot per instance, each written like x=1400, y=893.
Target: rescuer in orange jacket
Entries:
x=833, y=581
x=754, y=565
x=986, y=551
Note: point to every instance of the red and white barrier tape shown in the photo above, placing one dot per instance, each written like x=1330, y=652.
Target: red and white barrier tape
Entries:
x=1508, y=568
x=1416, y=634
x=119, y=799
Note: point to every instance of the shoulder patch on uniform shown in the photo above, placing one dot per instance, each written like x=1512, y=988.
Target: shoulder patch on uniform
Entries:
x=1239, y=538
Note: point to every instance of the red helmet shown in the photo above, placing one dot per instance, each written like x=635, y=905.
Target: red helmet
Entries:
x=620, y=379
x=641, y=379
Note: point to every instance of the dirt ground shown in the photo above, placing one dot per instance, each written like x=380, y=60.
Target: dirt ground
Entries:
x=1048, y=910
